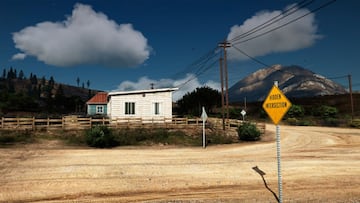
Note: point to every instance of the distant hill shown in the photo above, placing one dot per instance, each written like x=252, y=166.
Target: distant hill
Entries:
x=34, y=96
x=294, y=81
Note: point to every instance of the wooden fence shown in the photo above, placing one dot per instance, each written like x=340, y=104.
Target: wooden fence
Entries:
x=74, y=122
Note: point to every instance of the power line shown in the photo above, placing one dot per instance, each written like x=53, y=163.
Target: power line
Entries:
x=196, y=75
x=252, y=58
x=200, y=62
x=337, y=77
x=283, y=25
x=273, y=20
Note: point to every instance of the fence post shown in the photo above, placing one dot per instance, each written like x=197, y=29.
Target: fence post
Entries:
x=33, y=123
x=2, y=122
x=48, y=123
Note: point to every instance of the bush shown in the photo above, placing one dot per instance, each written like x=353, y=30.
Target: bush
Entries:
x=296, y=111
x=301, y=122
x=325, y=111
x=306, y=122
x=292, y=121
x=355, y=123
x=100, y=136
x=332, y=122
x=8, y=137
x=249, y=132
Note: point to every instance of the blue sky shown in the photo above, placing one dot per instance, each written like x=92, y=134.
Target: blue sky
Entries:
x=121, y=45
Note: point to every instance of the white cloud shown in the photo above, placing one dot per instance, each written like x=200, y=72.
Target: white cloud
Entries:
x=187, y=84
x=19, y=56
x=85, y=37
x=297, y=35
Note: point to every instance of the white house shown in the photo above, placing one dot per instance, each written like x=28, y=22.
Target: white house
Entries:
x=145, y=104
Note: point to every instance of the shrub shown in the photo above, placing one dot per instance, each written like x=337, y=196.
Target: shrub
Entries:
x=292, y=121
x=248, y=132
x=332, y=122
x=296, y=111
x=100, y=136
x=301, y=122
x=11, y=137
x=218, y=138
x=355, y=123
x=325, y=111
x=306, y=122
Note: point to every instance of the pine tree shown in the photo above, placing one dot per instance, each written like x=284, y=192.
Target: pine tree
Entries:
x=43, y=80
x=51, y=82
x=21, y=75
x=10, y=74
x=78, y=81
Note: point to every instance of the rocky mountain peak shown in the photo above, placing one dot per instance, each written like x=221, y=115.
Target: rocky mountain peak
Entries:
x=294, y=81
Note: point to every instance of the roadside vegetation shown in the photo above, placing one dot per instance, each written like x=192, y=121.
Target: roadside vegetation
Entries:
x=104, y=137
x=322, y=115
x=249, y=132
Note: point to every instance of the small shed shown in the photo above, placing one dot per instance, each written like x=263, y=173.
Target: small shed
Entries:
x=97, y=105
x=144, y=104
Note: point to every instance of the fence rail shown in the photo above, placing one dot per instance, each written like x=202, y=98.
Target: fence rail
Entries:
x=74, y=122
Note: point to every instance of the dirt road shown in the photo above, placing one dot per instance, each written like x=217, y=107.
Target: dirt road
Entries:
x=318, y=165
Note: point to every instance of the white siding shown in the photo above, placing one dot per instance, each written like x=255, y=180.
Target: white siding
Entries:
x=144, y=104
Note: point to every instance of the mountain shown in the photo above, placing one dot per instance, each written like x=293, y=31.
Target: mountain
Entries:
x=294, y=81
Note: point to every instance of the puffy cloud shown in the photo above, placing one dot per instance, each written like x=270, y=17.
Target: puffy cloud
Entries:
x=296, y=35
x=187, y=84
x=19, y=56
x=85, y=37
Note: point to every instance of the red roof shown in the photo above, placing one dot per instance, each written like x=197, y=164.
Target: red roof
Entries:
x=99, y=98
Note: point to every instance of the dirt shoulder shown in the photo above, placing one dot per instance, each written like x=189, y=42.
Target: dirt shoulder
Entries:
x=318, y=164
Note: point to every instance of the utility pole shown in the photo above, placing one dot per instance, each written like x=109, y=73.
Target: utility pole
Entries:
x=225, y=45
x=222, y=93
x=351, y=98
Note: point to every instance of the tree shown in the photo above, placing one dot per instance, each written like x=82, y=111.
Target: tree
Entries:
x=43, y=80
x=191, y=103
x=51, y=82
x=88, y=84
x=10, y=74
x=21, y=75
x=33, y=79
x=78, y=81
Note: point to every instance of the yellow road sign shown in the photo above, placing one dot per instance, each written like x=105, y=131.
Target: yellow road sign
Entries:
x=276, y=104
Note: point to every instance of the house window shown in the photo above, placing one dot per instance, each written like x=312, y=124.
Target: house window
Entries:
x=129, y=108
x=99, y=109
x=157, y=108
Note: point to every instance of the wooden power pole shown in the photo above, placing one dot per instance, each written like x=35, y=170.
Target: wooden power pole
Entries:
x=225, y=45
x=222, y=93
x=351, y=98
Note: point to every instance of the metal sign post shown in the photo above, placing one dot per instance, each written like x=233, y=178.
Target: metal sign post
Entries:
x=278, y=156
x=276, y=105
x=243, y=113
x=204, y=118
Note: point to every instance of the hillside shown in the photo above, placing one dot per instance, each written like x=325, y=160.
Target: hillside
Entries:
x=294, y=81
x=32, y=96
